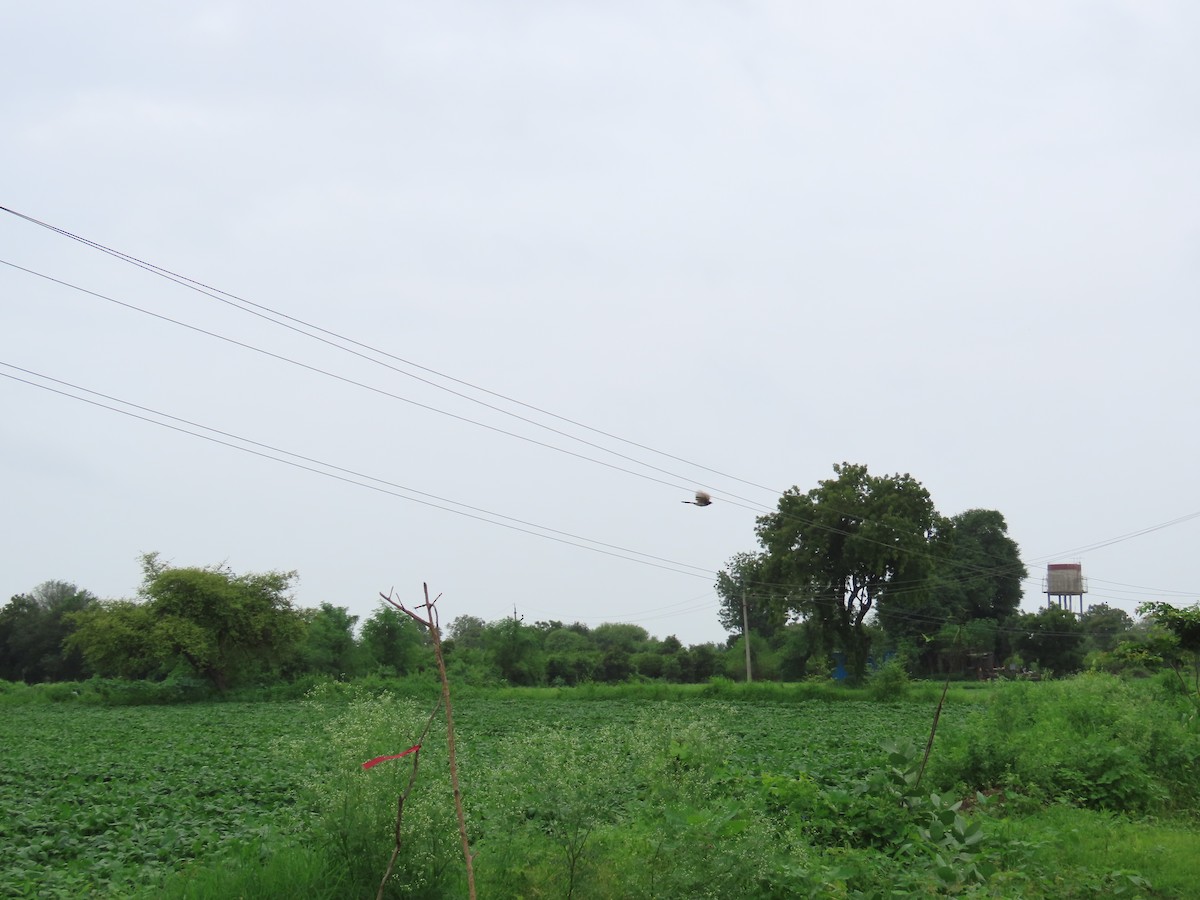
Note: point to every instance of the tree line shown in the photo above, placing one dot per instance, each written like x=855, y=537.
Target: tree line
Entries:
x=863, y=568
x=858, y=570
x=231, y=629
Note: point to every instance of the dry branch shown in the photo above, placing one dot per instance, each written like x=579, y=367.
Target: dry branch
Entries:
x=429, y=620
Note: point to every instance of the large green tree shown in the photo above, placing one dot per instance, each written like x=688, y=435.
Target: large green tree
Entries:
x=327, y=646
x=837, y=549
x=224, y=626
x=571, y=656
x=116, y=637
x=1106, y=626
x=395, y=643
x=515, y=649
x=1053, y=638
x=33, y=631
x=979, y=566
x=974, y=581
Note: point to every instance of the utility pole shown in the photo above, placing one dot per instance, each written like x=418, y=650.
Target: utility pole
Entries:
x=746, y=633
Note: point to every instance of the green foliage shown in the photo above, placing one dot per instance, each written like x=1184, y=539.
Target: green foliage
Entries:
x=356, y=809
x=757, y=791
x=395, y=643
x=101, y=800
x=1184, y=624
x=974, y=583
x=839, y=546
x=34, y=628
x=115, y=637
x=764, y=660
x=515, y=651
x=259, y=870
x=226, y=627
x=1105, y=626
x=889, y=682
x=938, y=847
x=979, y=566
x=327, y=645
x=742, y=579
x=1094, y=740
x=1053, y=638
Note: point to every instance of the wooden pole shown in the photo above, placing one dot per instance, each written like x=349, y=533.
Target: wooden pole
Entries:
x=746, y=634
x=430, y=621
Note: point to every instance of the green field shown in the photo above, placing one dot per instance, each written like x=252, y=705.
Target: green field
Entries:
x=623, y=796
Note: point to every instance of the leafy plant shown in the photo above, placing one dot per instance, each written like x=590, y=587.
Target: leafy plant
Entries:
x=888, y=682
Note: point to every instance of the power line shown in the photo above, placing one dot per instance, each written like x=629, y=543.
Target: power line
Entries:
x=972, y=570
x=729, y=499
x=283, y=320
x=348, y=476
x=251, y=307
x=342, y=378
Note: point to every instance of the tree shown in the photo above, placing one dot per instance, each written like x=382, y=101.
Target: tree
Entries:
x=468, y=633
x=1184, y=624
x=976, y=577
x=116, y=638
x=618, y=642
x=1105, y=625
x=741, y=579
x=327, y=646
x=33, y=629
x=840, y=547
x=764, y=661
x=224, y=626
x=394, y=642
x=982, y=563
x=702, y=662
x=1053, y=637
x=515, y=650
x=571, y=657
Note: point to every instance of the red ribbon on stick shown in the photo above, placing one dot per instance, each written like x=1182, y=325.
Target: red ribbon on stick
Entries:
x=371, y=763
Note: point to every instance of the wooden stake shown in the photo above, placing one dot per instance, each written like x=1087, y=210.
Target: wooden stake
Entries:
x=430, y=621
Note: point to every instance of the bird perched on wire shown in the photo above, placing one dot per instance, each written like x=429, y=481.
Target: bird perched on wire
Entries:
x=702, y=499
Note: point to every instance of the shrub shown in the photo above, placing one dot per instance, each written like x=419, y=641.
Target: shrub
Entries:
x=1093, y=740
x=356, y=809
x=888, y=682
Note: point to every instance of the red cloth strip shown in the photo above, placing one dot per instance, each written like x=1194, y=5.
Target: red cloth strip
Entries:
x=377, y=760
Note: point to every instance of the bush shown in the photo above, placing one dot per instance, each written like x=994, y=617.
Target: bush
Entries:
x=888, y=682
x=1093, y=740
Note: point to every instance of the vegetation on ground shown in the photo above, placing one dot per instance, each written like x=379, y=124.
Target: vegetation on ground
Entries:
x=575, y=795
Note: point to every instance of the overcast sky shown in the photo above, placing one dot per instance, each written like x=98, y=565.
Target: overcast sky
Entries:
x=957, y=240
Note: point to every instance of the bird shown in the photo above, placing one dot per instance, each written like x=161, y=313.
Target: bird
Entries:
x=702, y=499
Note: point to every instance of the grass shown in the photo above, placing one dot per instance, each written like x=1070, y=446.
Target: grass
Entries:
x=1087, y=853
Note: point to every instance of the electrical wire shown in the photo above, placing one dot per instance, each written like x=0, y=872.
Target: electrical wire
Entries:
x=729, y=499
x=349, y=475
x=342, y=378
x=282, y=319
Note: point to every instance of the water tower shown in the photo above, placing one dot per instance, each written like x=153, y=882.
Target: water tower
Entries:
x=1064, y=582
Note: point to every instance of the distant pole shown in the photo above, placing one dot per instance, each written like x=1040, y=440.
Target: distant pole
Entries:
x=746, y=634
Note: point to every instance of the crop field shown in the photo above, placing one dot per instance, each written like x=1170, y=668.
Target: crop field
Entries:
x=564, y=798
x=106, y=798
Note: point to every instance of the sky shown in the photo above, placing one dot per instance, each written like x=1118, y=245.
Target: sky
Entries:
x=567, y=263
